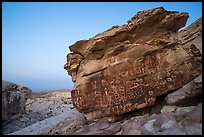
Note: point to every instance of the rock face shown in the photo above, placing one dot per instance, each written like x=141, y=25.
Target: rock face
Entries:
x=126, y=67
x=13, y=99
x=184, y=94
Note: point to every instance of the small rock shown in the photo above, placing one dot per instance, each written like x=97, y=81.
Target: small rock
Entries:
x=169, y=124
x=65, y=102
x=168, y=109
x=157, y=123
x=194, y=129
x=103, y=126
x=171, y=131
x=184, y=109
x=113, y=118
x=72, y=107
x=134, y=132
x=194, y=116
x=150, y=126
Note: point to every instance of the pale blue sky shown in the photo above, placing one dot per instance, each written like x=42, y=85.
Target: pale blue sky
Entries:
x=36, y=36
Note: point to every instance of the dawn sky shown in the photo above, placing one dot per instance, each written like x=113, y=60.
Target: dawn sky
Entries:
x=36, y=35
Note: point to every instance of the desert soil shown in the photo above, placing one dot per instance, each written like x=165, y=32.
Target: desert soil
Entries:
x=40, y=106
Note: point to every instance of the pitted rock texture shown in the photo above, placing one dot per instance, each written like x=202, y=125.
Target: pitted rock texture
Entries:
x=13, y=99
x=126, y=67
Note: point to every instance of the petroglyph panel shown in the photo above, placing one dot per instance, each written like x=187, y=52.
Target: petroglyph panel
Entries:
x=126, y=68
x=121, y=94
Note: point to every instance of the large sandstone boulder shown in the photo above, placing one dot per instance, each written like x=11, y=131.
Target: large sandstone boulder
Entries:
x=13, y=99
x=127, y=67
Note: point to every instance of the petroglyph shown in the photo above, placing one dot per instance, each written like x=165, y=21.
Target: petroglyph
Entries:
x=126, y=68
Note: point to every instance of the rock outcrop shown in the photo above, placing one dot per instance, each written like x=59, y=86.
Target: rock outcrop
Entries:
x=126, y=67
x=177, y=121
x=186, y=93
x=47, y=113
x=58, y=124
x=13, y=99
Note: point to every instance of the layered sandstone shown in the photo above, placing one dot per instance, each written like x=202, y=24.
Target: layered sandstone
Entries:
x=127, y=67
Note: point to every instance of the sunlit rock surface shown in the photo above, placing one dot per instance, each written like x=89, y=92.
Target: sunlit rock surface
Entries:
x=126, y=67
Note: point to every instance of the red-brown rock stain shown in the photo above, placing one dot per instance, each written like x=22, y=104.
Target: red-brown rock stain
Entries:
x=130, y=86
